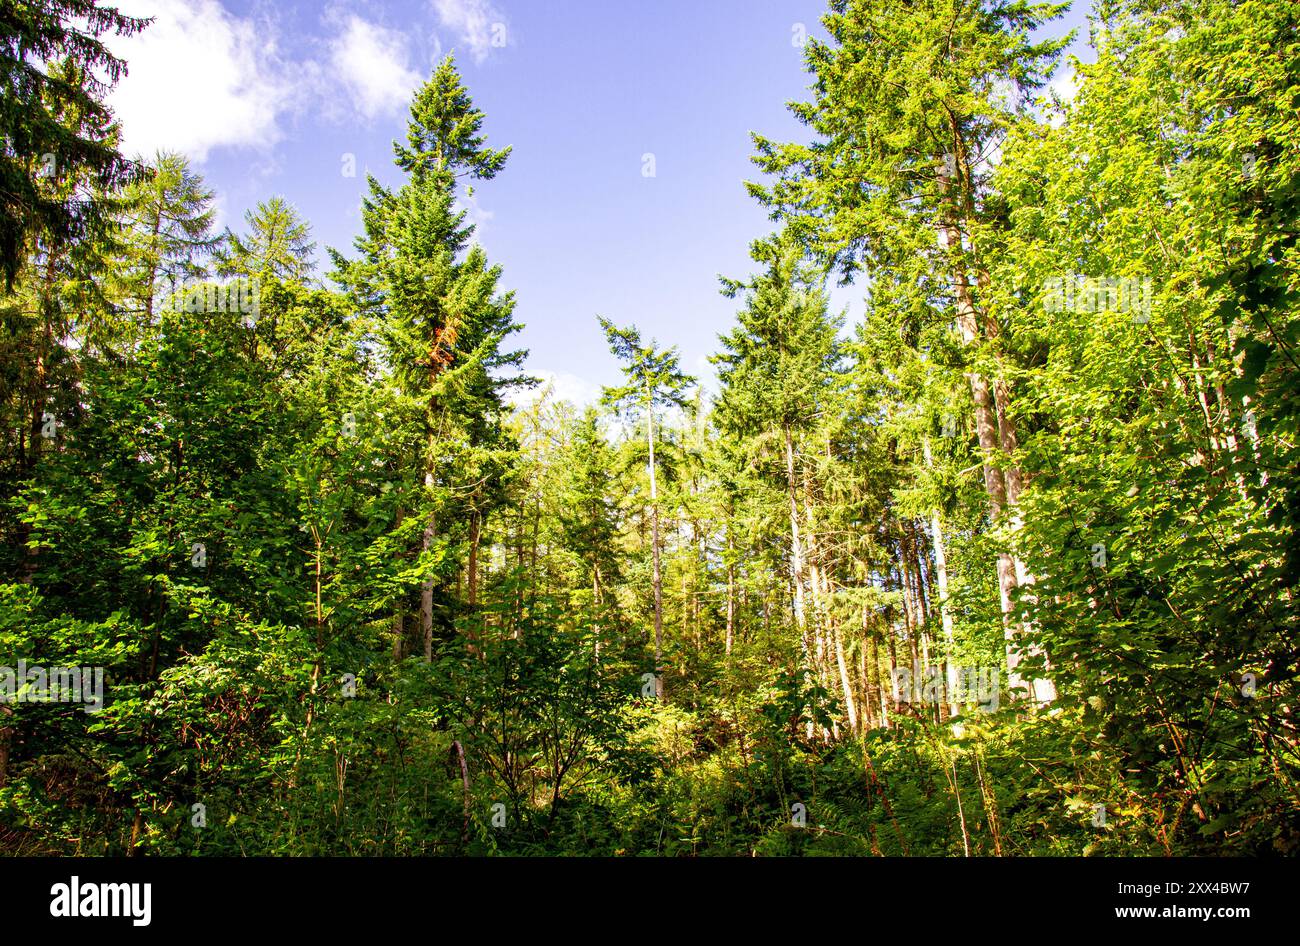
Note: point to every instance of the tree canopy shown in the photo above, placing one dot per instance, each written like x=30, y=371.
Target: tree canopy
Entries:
x=1007, y=566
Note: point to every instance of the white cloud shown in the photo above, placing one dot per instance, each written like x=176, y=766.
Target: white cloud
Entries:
x=199, y=78
x=1065, y=84
x=564, y=387
x=220, y=211
x=374, y=64
x=1064, y=87
x=476, y=23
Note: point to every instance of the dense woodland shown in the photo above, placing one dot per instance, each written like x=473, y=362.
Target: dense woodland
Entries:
x=1005, y=568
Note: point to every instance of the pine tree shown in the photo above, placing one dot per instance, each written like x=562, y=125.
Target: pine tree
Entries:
x=36, y=140
x=654, y=382
x=907, y=111
x=166, y=244
x=777, y=371
x=434, y=300
x=277, y=245
x=588, y=512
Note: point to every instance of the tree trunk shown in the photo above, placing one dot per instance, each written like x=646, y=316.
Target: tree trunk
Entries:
x=426, y=586
x=986, y=427
x=597, y=607
x=895, y=700
x=701, y=564
x=850, y=705
x=6, y=736
x=731, y=591
x=399, y=628
x=864, y=684
x=475, y=536
x=1042, y=690
x=797, y=559
x=941, y=577
x=796, y=545
x=658, y=576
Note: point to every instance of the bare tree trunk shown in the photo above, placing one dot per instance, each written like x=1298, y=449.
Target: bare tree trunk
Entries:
x=816, y=613
x=6, y=737
x=686, y=613
x=731, y=590
x=1040, y=689
x=399, y=627
x=426, y=586
x=475, y=535
x=520, y=563
x=464, y=778
x=920, y=563
x=699, y=563
x=796, y=558
x=915, y=578
x=658, y=575
x=319, y=620
x=893, y=675
x=864, y=683
x=533, y=544
x=850, y=705
x=909, y=609
x=598, y=609
x=941, y=577
x=796, y=545
x=137, y=826
x=986, y=428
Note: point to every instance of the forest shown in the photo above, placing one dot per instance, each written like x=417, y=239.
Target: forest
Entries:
x=299, y=559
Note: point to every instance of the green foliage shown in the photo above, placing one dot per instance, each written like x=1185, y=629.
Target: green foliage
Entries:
x=348, y=596
x=55, y=69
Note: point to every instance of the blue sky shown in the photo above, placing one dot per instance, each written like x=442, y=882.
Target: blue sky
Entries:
x=279, y=98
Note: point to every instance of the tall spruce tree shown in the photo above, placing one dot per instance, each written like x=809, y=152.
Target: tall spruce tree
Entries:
x=589, y=517
x=776, y=369
x=438, y=314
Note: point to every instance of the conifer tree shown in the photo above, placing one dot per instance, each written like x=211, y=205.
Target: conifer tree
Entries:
x=654, y=382
x=36, y=139
x=775, y=369
x=910, y=102
x=277, y=245
x=436, y=308
x=589, y=515
x=165, y=245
